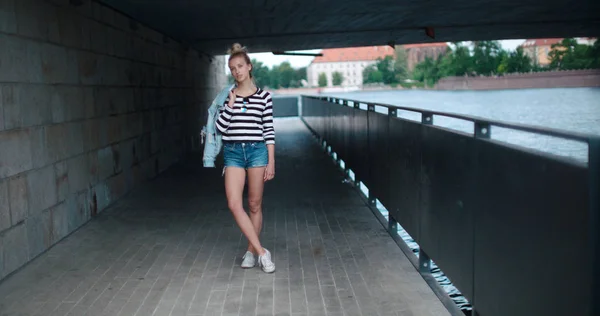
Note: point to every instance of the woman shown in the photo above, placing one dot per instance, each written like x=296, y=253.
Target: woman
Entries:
x=246, y=125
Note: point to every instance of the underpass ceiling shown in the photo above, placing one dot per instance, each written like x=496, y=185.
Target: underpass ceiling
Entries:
x=280, y=25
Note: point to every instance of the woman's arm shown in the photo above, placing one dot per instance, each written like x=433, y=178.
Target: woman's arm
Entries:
x=269, y=136
x=267, y=120
x=225, y=115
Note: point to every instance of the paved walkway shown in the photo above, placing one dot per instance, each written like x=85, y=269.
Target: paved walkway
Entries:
x=172, y=248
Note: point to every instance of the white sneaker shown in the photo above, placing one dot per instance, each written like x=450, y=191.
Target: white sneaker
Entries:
x=265, y=262
x=248, y=260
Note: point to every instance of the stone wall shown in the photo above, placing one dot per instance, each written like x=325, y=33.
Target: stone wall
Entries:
x=538, y=80
x=91, y=104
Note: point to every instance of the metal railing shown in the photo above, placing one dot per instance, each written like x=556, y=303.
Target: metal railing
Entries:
x=285, y=106
x=515, y=230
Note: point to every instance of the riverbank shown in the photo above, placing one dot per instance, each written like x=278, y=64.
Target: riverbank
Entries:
x=537, y=80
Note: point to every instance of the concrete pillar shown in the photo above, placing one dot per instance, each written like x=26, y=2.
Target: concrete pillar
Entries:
x=91, y=104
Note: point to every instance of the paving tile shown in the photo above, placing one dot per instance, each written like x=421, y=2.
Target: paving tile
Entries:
x=171, y=247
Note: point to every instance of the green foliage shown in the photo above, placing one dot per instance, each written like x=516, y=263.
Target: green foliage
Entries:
x=487, y=56
x=260, y=72
x=280, y=76
x=337, y=78
x=427, y=71
x=569, y=55
x=515, y=61
x=286, y=75
x=488, y=59
x=386, y=67
x=456, y=61
x=322, y=80
x=381, y=72
x=401, y=65
x=372, y=75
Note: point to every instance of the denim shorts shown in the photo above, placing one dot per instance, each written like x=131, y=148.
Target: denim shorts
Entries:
x=245, y=155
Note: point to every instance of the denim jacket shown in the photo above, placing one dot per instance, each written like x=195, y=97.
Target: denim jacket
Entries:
x=209, y=131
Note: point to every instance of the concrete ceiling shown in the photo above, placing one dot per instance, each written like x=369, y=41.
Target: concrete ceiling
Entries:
x=279, y=25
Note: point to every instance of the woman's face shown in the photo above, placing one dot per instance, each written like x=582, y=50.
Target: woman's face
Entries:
x=240, y=69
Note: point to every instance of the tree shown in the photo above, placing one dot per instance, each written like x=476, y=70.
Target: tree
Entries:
x=457, y=61
x=372, y=75
x=595, y=52
x=386, y=67
x=322, y=80
x=427, y=71
x=569, y=55
x=380, y=72
x=260, y=72
x=275, y=78
x=401, y=64
x=516, y=61
x=337, y=78
x=300, y=75
x=284, y=74
x=486, y=57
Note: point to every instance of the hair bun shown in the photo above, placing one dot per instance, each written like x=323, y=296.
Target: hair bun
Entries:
x=236, y=48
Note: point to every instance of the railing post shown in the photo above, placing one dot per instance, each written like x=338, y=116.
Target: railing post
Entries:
x=427, y=118
x=594, y=200
x=392, y=225
x=424, y=262
x=356, y=105
x=372, y=199
x=482, y=130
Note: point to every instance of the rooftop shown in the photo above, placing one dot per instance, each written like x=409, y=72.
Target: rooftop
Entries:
x=541, y=42
x=367, y=53
x=424, y=45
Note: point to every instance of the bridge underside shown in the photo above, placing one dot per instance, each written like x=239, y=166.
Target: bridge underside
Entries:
x=276, y=25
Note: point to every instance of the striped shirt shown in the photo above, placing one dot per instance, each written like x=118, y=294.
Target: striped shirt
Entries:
x=253, y=125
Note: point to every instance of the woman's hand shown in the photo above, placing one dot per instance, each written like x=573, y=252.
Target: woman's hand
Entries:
x=231, y=99
x=270, y=171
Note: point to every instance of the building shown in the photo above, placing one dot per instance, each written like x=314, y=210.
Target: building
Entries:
x=539, y=49
x=586, y=40
x=416, y=53
x=350, y=62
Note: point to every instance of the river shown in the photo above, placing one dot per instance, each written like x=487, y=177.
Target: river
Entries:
x=569, y=109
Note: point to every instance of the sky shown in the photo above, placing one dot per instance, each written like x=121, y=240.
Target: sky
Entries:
x=270, y=60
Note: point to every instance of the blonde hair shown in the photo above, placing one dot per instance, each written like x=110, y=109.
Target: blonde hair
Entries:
x=238, y=50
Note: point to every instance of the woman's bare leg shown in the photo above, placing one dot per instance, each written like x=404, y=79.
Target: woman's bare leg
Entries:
x=256, y=185
x=235, y=179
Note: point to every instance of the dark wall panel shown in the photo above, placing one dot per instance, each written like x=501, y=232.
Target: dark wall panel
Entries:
x=531, y=234
x=405, y=166
x=285, y=106
x=446, y=203
x=379, y=175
